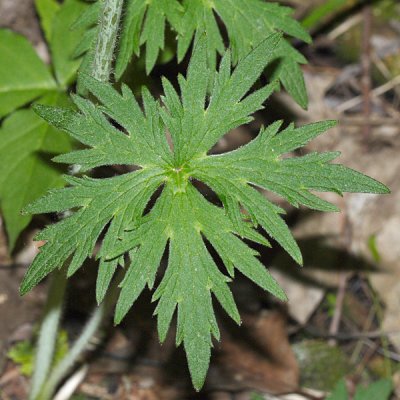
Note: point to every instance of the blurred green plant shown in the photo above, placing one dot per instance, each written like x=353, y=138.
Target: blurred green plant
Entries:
x=373, y=248
x=320, y=13
x=256, y=396
x=23, y=353
x=27, y=142
x=330, y=302
x=380, y=390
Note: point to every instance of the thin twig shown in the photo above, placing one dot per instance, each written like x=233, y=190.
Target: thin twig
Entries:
x=366, y=68
x=365, y=359
x=342, y=336
x=337, y=316
x=72, y=383
x=344, y=27
x=366, y=327
x=374, y=122
x=379, y=91
x=383, y=69
x=343, y=277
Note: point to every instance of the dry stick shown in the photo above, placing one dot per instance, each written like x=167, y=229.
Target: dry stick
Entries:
x=366, y=327
x=355, y=101
x=352, y=336
x=344, y=27
x=343, y=277
x=374, y=122
x=384, y=70
x=389, y=108
x=72, y=384
x=366, y=356
x=389, y=354
x=337, y=316
x=360, y=368
x=366, y=68
x=371, y=344
x=384, y=339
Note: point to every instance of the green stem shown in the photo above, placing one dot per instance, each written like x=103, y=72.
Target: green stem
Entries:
x=68, y=362
x=48, y=331
x=92, y=326
x=44, y=386
x=106, y=39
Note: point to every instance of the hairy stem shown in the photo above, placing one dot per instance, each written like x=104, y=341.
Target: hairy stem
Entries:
x=43, y=385
x=48, y=331
x=106, y=39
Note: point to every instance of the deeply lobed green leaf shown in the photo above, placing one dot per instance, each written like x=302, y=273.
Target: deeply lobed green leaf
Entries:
x=181, y=219
x=247, y=22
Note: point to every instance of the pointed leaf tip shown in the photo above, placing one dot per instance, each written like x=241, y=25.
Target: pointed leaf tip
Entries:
x=331, y=123
x=40, y=109
x=382, y=189
x=24, y=288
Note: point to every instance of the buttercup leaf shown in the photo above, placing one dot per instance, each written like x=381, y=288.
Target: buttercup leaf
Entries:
x=180, y=221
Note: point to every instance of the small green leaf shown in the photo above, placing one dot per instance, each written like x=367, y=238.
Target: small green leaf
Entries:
x=23, y=75
x=319, y=13
x=144, y=24
x=65, y=40
x=248, y=22
x=373, y=248
x=381, y=390
x=256, y=396
x=27, y=144
x=23, y=353
x=340, y=392
x=88, y=24
x=47, y=10
x=288, y=70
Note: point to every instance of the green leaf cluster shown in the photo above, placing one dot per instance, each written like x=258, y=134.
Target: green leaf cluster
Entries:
x=23, y=353
x=247, y=23
x=159, y=209
x=381, y=390
x=26, y=141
